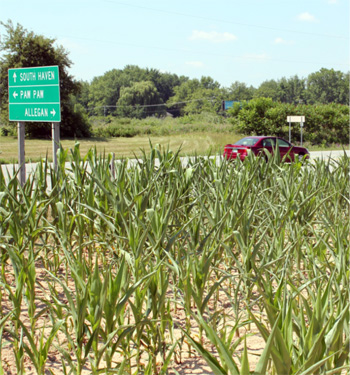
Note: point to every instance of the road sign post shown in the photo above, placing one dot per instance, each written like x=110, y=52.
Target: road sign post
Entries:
x=301, y=132
x=300, y=119
x=34, y=96
x=290, y=132
x=21, y=153
x=55, y=142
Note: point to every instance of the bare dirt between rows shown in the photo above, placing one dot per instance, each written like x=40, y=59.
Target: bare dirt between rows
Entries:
x=183, y=362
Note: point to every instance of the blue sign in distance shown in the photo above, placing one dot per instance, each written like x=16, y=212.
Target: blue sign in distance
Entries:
x=228, y=104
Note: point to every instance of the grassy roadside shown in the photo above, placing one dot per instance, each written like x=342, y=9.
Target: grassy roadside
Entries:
x=199, y=143
x=190, y=143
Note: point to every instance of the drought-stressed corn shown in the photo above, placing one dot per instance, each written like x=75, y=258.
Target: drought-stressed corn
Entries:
x=127, y=269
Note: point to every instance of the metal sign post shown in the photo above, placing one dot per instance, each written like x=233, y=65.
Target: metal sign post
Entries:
x=55, y=142
x=21, y=153
x=34, y=96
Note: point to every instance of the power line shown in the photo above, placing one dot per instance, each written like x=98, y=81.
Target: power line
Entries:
x=267, y=59
x=225, y=21
x=151, y=105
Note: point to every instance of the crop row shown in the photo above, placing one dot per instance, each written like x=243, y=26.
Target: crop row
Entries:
x=126, y=271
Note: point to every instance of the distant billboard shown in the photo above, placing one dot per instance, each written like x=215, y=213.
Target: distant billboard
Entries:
x=226, y=104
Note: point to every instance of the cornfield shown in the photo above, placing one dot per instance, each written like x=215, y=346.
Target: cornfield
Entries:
x=131, y=270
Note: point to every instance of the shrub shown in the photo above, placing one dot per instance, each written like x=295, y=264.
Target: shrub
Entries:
x=6, y=131
x=123, y=127
x=323, y=123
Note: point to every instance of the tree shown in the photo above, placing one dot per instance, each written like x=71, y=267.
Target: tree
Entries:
x=196, y=96
x=328, y=86
x=105, y=91
x=83, y=95
x=291, y=90
x=239, y=91
x=140, y=100
x=23, y=49
x=268, y=89
x=165, y=83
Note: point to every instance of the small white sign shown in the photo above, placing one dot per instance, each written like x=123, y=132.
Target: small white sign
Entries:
x=296, y=118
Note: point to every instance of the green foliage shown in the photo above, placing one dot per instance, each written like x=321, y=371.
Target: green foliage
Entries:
x=7, y=131
x=328, y=86
x=184, y=96
x=239, y=91
x=252, y=117
x=291, y=90
x=105, y=91
x=96, y=264
x=130, y=127
x=82, y=96
x=267, y=89
x=25, y=49
x=140, y=100
x=195, y=96
x=322, y=87
x=327, y=123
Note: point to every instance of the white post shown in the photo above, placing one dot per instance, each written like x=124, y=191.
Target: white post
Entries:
x=300, y=119
x=290, y=133
x=21, y=152
x=55, y=142
x=301, y=133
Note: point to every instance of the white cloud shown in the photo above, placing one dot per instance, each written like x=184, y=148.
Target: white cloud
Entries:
x=283, y=41
x=307, y=17
x=196, y=64
x=332, y=1
x=212, y=36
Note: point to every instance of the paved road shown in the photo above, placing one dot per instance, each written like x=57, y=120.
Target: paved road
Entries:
x=327, y=154
x=30, y=167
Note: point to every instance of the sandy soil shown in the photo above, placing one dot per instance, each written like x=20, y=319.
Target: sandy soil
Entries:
x=183, y=362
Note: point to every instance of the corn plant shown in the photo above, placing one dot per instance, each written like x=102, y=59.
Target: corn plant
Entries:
x=123, y=254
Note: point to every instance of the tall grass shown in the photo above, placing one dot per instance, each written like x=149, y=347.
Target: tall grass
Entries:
x=125, y=273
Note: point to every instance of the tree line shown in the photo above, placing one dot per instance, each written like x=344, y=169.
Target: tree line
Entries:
x=141, y=92
x=135, y=92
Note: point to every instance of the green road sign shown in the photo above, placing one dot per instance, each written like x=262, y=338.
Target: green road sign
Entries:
x=34, y=94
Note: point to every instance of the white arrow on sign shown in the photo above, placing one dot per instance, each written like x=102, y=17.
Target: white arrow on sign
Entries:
x=53, y=112
x=14, y=76
x=15, y=94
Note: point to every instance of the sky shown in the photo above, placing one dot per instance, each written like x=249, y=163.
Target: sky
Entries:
x=249, y=41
